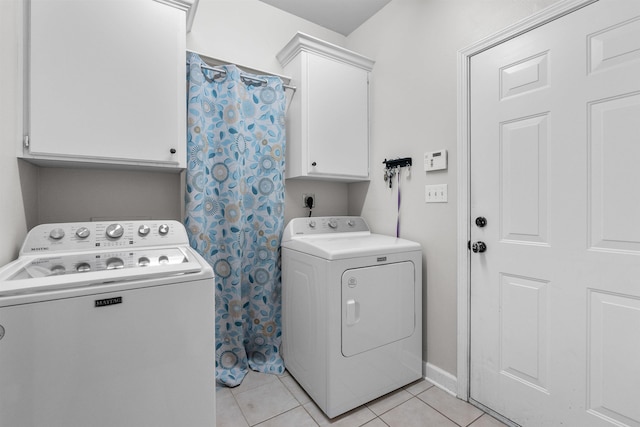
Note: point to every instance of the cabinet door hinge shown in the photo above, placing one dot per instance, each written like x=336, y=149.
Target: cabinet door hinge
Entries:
x=26, y=141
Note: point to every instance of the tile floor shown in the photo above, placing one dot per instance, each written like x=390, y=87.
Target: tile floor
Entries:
x=278, y=401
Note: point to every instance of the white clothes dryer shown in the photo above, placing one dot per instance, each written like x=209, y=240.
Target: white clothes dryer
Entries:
x=351, y=311
x=107, y=324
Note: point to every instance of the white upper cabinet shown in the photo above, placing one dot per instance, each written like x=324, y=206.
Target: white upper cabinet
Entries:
x=328, y=119
x=106, y=83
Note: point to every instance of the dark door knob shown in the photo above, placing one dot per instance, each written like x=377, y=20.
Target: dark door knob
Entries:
x=478, y=247
x=481, y=221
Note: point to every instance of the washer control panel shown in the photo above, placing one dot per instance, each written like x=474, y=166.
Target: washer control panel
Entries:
x=116, y=235
x=326, y=225
x=56, y=265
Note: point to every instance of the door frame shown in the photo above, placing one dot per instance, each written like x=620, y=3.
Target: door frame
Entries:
x=555, y=11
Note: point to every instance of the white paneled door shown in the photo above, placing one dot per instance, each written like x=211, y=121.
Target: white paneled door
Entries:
x=555, y=221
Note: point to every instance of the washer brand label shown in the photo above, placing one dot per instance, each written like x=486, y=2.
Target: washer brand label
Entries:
x=39, y=249
x=108, y=301
x=381, y=258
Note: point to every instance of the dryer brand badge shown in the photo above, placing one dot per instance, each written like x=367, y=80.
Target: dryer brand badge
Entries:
x=108, y=301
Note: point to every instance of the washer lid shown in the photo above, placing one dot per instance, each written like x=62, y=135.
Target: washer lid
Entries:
x=349, y=245
x=51, y=272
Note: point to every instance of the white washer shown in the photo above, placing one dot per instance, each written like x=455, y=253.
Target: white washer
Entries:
x=351, y=311
x=107, y=324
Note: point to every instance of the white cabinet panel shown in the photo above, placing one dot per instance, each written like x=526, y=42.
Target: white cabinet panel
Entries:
x=328, y=119
x=107, y=82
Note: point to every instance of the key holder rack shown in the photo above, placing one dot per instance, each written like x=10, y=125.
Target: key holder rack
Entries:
x=392, y=167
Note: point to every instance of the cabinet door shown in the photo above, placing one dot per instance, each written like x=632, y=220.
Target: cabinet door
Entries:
x=337, y=118
x=107, y=82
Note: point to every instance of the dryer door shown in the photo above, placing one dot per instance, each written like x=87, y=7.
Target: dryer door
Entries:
x=377, y=306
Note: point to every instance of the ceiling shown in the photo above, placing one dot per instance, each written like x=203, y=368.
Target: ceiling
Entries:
x=341, y=16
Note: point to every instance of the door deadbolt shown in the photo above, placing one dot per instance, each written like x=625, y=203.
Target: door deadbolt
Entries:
x=478, y=247
x=481, y=221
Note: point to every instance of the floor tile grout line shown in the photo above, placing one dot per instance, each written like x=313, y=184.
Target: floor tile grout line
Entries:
x=444, y=415
x=378, y=415
x=477, y=418
x=246, y=420
x=310, y=416
x=405, y=388
x=365, y=405
x=287, y=388
x=282, y=413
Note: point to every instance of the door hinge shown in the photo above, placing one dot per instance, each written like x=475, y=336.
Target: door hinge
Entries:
x=26, y=141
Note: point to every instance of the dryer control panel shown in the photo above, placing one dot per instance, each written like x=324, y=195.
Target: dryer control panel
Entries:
x=325, y=225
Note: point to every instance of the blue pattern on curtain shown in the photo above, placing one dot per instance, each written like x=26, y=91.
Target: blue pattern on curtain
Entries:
x=235, y=211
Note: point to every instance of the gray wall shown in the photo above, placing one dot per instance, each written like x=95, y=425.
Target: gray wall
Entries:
x=75, y=195
x=413, y=94
x=251, y=33
x=413, y=97
x=32, y=194
x=17, y=180
x=413, y=110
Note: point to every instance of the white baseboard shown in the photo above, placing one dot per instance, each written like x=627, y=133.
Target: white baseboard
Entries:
x=441, y=378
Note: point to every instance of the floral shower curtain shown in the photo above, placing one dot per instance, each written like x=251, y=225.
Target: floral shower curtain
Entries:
x=235, y=210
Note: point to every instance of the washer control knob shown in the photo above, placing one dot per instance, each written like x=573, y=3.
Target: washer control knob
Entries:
x=56, y=234
x=312, y=224
x=114, y=263
x=333, y=223
x=83, y=232
x=115, y=231
x=163, y=229
x=83, y=267
x=143, y=230
x=351, y=223
x=143, y=261
x=57, y=270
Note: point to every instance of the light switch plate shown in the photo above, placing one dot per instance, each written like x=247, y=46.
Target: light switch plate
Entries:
x=435, y=160
x=435, y=193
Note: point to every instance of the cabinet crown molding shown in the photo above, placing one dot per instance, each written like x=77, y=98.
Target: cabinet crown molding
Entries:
x=302, y=42
x=188, y=6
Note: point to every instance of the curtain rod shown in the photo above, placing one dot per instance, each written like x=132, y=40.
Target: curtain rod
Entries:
x=209, y=59
x=244, y=77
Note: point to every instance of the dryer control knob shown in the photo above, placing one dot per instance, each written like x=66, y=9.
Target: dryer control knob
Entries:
x=56, y=234
x=115, y=231
x=163, y=229
x=333, y=223
x=312, y=224
x=83, y=232
x=351, y=223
